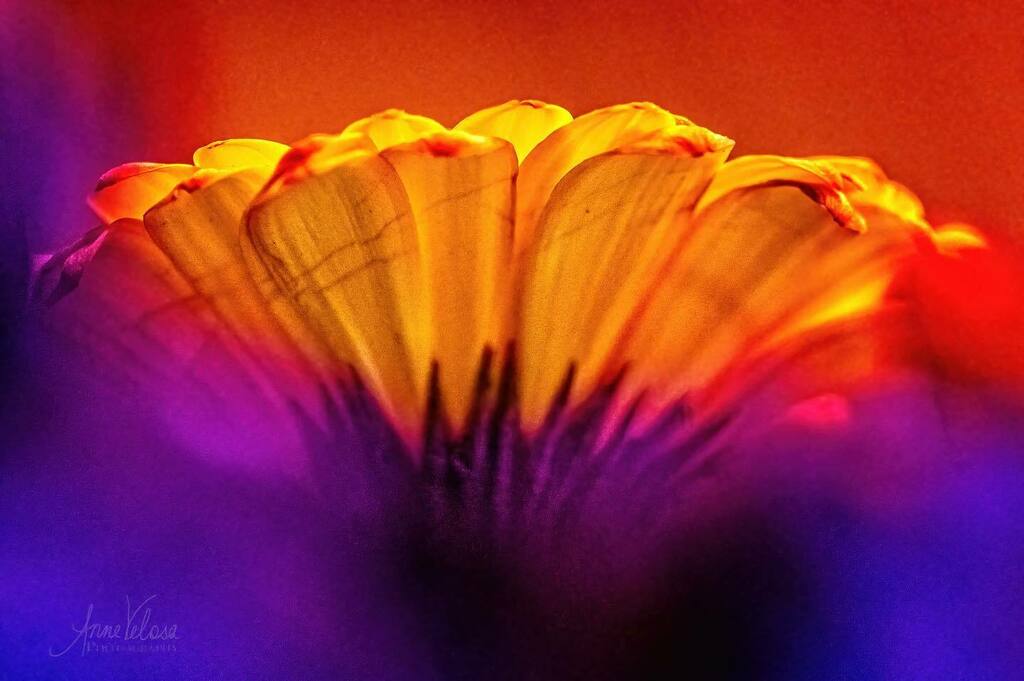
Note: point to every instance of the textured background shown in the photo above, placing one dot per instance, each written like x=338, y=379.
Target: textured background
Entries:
x=933, y=90
x=919, y=576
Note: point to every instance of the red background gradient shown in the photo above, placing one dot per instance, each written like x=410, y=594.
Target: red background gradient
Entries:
x=933, y=90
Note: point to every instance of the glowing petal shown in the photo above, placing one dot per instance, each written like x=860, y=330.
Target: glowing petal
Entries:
x=524, y=123
x=316, y=154
x=585, y=137
x=129, y=190
x=342, y=247
x=394, y=126
x=239, y=153
x=460, y=189
x=867, y=185
x=402, y=250
x=818, y=178
x=610, y=228
x=199, y=230
x=762, y=263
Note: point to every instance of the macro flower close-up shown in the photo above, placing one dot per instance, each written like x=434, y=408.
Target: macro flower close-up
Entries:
x=516, y=393
x=511, y=304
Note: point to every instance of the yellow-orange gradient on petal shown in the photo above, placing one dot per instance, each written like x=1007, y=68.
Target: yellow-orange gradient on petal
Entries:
x=420, y=259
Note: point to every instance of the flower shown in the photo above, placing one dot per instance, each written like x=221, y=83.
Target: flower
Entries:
x=528, y=344
x=571, y=287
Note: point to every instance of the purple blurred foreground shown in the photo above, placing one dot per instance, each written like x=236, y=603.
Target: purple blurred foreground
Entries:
x=890, y=549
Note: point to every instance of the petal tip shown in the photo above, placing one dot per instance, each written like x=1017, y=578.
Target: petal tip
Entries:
x=123, y=172
x=681, y=140
x=238, y=153
x=449, y=144
x=314, y=155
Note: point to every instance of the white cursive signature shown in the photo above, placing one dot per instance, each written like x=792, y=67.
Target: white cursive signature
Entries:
x=135, y=628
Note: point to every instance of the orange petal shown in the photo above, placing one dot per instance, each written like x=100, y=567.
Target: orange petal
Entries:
x=460, y=190
x=316, y=154
x=585, y=137
x=821, y=179
x=239, y=153
x=394, y=126
x=341, y=247
x=199, y=230
x=765, y=261
x=612, y=225
x=867, y=184
x=524, y=123
x=129, y=190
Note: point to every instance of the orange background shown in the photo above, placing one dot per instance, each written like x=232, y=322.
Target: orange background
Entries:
x=932, y=90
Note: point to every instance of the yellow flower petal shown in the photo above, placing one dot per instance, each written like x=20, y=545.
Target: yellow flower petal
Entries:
x=460, y=190
x=609, y=229
x=761, y=262
x=129, y=190
x=314, y=155
x=342, y=247
x=524, y=123
x=821, y=179
x=199, y=231
x=868, y=185
x=239, y=153
x=587, y=136
x=401, y=250
x=394, y=126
